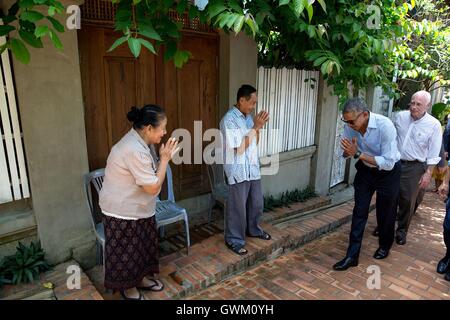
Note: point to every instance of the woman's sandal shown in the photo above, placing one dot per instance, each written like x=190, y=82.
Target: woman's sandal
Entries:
x=125, y=297
x=264, y=236
x=157, y=284
x=238, y=250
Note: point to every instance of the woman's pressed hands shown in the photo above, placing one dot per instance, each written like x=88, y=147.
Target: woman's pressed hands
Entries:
x=169, y=149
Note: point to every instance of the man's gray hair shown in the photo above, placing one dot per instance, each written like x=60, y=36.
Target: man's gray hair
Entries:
x=425, y=94
x=355, y=105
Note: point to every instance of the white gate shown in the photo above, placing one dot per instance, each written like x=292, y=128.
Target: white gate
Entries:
x=290, y=97
x=339, y=162
x=13, y=174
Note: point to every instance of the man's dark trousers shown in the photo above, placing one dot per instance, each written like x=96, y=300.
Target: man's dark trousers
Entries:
x=387, y=185
x=447, y=228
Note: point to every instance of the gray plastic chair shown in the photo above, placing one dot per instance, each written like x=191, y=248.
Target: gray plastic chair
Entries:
x=219, y=187
x=167, y=211
x=96, y=179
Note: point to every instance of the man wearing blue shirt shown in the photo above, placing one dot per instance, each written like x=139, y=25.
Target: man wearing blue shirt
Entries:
x=371, y=138
x=245, y=201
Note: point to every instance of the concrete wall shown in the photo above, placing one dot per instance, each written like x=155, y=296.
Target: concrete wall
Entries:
x=51, y=109
x=238, y=65
x=321, y=164
x=293, y=173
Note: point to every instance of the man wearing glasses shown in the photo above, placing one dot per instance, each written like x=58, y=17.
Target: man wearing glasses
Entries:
x=371, y=138
x=419, y=139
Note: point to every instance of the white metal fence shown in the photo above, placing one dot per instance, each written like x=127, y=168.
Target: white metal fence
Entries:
x=290, y=97
x=13, y=174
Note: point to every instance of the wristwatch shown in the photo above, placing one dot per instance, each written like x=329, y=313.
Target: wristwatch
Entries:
x=357, y=154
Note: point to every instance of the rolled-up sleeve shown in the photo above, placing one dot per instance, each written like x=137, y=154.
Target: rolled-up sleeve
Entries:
x=434, y=147
x=389, y=151
x=140, y=166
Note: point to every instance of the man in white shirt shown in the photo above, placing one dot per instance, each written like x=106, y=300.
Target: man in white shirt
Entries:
x=419, y=139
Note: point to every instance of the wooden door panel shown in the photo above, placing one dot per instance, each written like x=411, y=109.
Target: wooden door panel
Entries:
x=120, y=79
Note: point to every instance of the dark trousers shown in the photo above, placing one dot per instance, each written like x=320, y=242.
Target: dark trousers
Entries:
x=387, y=185
x=410, y=196
x=245, y=205
x=447, y=228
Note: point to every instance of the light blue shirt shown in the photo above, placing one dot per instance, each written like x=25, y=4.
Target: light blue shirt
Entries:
x=379, y=141
x=234, y=126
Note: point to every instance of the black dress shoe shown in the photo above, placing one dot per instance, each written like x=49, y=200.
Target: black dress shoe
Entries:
x=381, y=253
x=376, y=232
x=345, y=263
x=401, y=240
x=443, y=265
x=447, y=276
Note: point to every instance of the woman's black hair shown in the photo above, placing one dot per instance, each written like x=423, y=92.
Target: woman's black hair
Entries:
x=149, y=114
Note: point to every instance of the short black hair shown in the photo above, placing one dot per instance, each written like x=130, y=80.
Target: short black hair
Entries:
x=245, y=91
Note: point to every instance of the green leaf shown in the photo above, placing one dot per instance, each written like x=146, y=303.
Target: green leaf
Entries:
x=56, y=24
x=249, y=21
x=51, y=11
x=324, y=68
x=215, y=8
x=30, y=38
x=20, y=51
x=283, y=2
x=31, y=16
x=323, y=5
x=6, y=29
x=135, y=46
x=135, y=2
x=319, y=61
x=298, y=7
x=148, y=45
x=148, y=31
x=55, y=39
x=170, y=50
x=41, y=31
x=40, y=1
x=117, y=43
x=309, y=9
x=180, y=58
x=238, y=24
x=230, y=20
x=26, y=4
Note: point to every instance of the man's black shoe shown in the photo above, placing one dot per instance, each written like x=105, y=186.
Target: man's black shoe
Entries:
x=345, y=263
x=401, y=240
x=376, y=232
x=381, y=253
x=443, y=265
x=447, y=276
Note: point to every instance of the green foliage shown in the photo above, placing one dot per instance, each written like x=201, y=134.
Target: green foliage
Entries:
x=23, y=17
x=440, y=110
x=288, y=197
x=25, y=265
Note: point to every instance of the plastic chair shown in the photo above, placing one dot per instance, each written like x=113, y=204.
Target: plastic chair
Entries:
x=167, y=211
x=219, y=187
x=96, y=179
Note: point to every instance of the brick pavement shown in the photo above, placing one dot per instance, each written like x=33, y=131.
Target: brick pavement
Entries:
x=409, y=272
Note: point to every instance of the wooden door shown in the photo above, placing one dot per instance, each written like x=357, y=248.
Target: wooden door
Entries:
x=114, y=81
x=190, y=94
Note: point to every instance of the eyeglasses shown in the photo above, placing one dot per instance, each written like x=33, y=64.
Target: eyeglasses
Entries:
x=351, y=122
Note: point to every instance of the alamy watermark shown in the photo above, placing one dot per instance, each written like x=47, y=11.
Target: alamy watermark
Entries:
x=374, y=280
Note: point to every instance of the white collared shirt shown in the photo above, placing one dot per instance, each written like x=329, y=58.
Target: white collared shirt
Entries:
x=379, y=141
x=418, y=139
